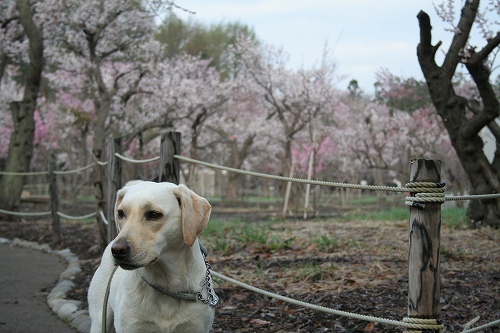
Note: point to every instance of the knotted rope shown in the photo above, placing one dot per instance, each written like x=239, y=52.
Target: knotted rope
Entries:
x=425, y=192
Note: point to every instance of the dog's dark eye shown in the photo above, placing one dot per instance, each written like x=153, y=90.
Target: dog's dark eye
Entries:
x=120, y=214
x=152, y=215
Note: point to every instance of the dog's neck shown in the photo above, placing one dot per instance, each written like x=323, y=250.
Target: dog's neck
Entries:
x=181, y=272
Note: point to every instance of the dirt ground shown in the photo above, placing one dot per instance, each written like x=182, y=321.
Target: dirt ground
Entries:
x=364, y=271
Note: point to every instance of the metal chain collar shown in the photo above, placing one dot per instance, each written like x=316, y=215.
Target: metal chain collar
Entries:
x=212, y=298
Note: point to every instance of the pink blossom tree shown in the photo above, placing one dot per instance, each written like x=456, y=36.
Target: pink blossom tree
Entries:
x=242, y=135
x=428, y=137
x=109, y=48
x=295, y=98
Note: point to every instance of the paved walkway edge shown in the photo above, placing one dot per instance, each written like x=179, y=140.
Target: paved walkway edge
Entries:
x=66, y=309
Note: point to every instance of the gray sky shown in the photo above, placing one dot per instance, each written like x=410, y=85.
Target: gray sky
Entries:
x=364, y=35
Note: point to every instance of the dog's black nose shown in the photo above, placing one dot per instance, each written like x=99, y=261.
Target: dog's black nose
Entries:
x=120, y=249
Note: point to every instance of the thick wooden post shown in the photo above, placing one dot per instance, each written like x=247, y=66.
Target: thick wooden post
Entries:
x=54, y=200
x=425, y=227
x=170, y=169
x=114, y=184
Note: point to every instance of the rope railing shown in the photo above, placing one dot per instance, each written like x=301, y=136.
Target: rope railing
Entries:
x=8, y=212
x=407, y=322
x=428, y=192
x=44, y=173
x=29, y=173
x=430, y=324
x=423, y=192
x=36, y=214
x=75, y=170
x=69, y=217
x=130, y=160
x=294, y=180
x=483, y=327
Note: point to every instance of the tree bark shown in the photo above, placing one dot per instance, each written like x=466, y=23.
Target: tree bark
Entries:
x=102, y=104
x=236, y=160
x=462, y=121
x=21, y=141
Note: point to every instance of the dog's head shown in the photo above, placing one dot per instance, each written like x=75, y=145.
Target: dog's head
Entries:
x=154, y=218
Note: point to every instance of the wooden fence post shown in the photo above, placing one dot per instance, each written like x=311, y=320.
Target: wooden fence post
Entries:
x=424, y=239
x=170, y=169
x=100, y=194
x=54, y=199
x=114, y=184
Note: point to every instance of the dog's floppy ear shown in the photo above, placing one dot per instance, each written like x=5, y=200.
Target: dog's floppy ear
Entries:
x=195, y=212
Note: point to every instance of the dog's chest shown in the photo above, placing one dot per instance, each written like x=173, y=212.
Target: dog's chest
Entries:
x=160, y=313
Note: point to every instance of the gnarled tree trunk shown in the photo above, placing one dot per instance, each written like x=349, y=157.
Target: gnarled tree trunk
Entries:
x=21, y=141
x=462, y=118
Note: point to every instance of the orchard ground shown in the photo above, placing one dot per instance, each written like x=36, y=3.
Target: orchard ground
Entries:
x=356, y=264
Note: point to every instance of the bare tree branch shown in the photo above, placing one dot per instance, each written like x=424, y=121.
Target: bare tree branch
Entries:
x=453, y=56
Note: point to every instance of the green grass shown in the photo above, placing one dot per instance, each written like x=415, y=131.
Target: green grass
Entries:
x=222, y=234
x=226, y=236
x=453, y=217
x=310, y=271
x=229, y=236
x=392, y=214
x=327, y=243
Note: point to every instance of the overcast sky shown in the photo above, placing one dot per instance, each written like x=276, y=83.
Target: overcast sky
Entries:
x=364, y=35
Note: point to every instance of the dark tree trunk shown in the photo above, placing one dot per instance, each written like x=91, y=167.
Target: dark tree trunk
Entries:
x=102, y=104
x=238, y=156
x=21, y=141
x=463, y=119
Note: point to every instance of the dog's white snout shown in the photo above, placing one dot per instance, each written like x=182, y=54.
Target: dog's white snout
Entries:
x=120, y=249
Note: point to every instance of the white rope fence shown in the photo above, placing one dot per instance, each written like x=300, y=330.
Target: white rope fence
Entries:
x=29, y=214
x=294, y=180
x=422, y=193
x=83, y=217
x=483, y=327
x=426, y=191
x=407, y=322
x=44, y=173
x=24, y=213
x=130, y=160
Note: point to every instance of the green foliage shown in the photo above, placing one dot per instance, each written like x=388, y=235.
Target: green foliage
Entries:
x=402, y=94
x=354, y=89
x=207, y=41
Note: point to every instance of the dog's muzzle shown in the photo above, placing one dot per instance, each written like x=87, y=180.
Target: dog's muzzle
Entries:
x=121, y=253
x=120, y=249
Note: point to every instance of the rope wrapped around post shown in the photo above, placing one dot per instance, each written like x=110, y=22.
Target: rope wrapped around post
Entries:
x=423, y=192
x=427, y=191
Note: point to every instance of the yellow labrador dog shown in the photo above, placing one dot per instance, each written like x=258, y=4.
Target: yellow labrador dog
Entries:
x=163, y=282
